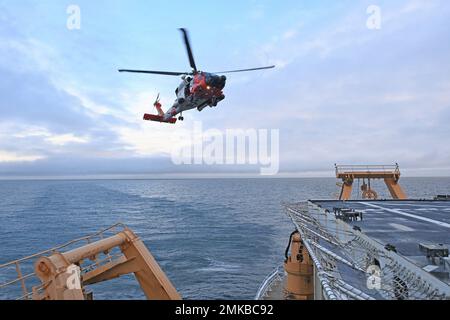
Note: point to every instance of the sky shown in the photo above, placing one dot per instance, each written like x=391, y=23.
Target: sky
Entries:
x=341, y=92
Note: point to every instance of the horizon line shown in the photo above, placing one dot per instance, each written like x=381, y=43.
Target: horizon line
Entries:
x=183, y=176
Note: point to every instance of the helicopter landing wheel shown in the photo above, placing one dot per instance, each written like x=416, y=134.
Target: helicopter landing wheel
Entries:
x=181, y=118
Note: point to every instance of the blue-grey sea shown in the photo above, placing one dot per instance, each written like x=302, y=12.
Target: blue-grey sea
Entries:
x=214, y=238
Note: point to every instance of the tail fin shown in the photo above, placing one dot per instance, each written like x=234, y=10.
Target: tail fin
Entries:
x=160, y=116
x=158, y=107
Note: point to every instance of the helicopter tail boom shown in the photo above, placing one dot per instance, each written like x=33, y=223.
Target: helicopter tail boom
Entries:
x=153, y=117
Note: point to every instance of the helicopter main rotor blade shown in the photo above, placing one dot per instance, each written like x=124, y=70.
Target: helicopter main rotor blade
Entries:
x=188, y=49
x=245, y=70
x=164, y=73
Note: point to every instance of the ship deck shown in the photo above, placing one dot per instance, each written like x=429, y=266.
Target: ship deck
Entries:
x=405, y=225
x=409, y=238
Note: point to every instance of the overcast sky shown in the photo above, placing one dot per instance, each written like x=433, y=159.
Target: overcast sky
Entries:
x=341, y=92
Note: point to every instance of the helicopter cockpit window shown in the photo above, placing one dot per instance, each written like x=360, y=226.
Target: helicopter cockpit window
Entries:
x=208, y=79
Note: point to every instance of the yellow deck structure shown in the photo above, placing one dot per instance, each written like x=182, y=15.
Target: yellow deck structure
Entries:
x=389, y=173
x=66, y=274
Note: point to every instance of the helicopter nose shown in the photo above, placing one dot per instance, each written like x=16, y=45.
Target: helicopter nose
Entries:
x=216, y=82
x=221, y=82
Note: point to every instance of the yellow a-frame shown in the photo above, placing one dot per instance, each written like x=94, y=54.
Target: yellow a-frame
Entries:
x=390, y=174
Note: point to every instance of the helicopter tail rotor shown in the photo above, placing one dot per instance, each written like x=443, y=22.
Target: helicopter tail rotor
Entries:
x=157, y=100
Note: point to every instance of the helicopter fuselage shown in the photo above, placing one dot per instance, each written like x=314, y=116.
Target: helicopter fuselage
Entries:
x=198, y=91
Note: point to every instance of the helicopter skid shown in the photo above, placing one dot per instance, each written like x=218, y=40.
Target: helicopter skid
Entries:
x=152, y=117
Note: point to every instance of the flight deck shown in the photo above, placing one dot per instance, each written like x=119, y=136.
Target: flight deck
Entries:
x=416, y=229
x=365, y=250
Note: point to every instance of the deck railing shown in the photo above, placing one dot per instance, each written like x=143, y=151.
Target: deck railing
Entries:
x=276, y=274
x=348, y=169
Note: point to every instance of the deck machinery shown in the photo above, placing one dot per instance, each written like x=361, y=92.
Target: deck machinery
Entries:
x=365, y=249
x=67, y=271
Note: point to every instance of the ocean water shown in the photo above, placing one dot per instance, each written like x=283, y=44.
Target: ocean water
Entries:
x=214, y=238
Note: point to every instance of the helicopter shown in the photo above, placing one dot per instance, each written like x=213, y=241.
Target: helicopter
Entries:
x=198, y=89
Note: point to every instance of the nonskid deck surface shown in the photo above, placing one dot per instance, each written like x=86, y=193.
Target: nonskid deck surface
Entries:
x=377, y=249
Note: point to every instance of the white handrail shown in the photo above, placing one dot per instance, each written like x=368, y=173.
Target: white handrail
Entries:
x=268, y=281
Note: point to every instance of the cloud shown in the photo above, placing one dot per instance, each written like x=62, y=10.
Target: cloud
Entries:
x=353, y=95
x=64, y=139
x=6, y=156
x=40, y=117
x=340, y=93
